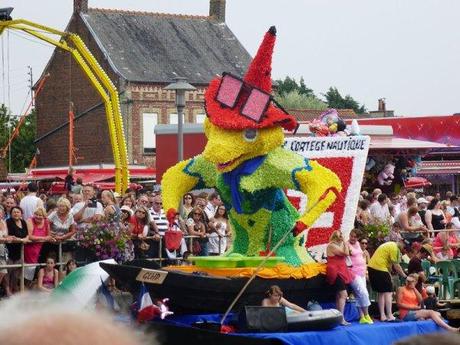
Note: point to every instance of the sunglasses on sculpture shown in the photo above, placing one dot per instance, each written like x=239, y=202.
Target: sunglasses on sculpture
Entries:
x=256, y=103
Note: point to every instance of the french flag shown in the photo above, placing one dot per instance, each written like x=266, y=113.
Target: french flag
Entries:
x=147, y=310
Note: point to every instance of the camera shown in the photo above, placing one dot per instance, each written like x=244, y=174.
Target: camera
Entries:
x=92, y=203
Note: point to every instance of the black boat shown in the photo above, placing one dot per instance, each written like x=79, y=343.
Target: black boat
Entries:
x=201, y=293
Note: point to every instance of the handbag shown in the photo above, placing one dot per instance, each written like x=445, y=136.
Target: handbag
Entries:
x=173, y=239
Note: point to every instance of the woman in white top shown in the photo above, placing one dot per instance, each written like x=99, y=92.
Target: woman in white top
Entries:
x=63, y=226
x=220, y=229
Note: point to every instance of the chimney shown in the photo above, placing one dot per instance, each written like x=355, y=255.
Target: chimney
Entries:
x=80, y=6
x=217, y=10
x=382, y=106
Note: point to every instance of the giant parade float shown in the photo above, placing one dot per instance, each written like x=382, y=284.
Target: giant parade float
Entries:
x=284, y=196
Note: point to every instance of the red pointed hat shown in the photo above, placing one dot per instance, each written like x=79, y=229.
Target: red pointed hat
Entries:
x=234, y=103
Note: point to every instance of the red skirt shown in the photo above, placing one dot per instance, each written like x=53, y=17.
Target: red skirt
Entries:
x=336, y=267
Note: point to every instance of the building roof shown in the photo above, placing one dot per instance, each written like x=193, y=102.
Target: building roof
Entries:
x=312, y=114
x=439, y=168
x=156, y=47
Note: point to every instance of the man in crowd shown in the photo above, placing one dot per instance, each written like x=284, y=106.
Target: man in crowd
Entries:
x=142, y=200
x=213, y=203
x=386, y=257
x=30, y=202
x=89, y=210
x=158, y=216
x=379, y=211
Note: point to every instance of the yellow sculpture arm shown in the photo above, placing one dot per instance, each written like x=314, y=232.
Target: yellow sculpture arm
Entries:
x=195, y=173
x=318, y=185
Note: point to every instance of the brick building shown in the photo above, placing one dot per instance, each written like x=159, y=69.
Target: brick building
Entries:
x=141, y=52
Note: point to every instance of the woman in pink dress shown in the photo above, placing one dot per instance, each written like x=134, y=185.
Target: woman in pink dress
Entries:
x=39, y=232
x=337, y=273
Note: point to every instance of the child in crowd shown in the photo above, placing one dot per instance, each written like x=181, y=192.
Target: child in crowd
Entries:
x=431, y=302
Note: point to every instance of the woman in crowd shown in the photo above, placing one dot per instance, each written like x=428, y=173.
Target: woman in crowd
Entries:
x=362, y=214
x=139, y=228
x=219, y=231
x=18, y=232
x=363, y=243
x=337, y=273
x=445, y=204
x=48, y=276
x=188, y=203
x=50, y=206
x=69, y=267
x=358, y=284
x=63, y=227
x=4, y=279
x=196, y=227
x=409, y=304
x=274, y=298
x=445, y=244
x=111, y=211
x=128, y=201
x=395, y=232
x=434, y=217
x=39, y=232
x=410, y=220
x=126, y=214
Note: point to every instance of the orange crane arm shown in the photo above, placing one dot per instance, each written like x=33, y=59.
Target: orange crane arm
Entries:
x=15, y=132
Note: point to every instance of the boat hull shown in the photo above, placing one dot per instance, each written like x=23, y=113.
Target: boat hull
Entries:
x=199, y=293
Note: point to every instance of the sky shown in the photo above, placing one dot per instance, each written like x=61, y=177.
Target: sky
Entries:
x=405, y=51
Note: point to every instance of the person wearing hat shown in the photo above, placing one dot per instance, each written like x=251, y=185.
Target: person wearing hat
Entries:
x=126, y=214
x=246, y=163
x=422, y=205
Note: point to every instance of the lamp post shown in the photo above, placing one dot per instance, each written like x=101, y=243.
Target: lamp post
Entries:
x=180, y=85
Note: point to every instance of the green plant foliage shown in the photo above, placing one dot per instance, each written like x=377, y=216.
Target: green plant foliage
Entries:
x=296, y=100
x=22, y=148
x=335, y=100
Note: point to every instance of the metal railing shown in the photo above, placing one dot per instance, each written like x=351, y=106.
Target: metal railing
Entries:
x=60, y=264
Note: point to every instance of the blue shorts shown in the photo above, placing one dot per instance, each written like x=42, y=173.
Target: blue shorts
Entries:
x=410, y=316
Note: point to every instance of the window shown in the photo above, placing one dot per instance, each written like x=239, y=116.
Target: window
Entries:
x=149, y=121
x=200, y=118
x=173, y=119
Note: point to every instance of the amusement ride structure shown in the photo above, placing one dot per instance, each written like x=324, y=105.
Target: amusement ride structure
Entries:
x=73, y=44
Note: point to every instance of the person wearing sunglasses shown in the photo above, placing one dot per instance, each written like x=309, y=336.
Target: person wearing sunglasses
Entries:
x=409, y=303
x=196, y=227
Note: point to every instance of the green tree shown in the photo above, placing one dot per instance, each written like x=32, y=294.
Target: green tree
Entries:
x=22, y=148
x=290, y=84
x=296, y=95
x=295, y=100
x=335, y=100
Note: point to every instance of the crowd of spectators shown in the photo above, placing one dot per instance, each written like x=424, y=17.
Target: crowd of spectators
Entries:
x=387, y=230
x=40, y=223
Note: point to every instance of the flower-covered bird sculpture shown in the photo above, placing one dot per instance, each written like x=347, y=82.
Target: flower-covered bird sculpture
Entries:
x=244, y=160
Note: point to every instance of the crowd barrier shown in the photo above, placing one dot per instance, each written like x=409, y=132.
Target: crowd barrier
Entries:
x=60, y=264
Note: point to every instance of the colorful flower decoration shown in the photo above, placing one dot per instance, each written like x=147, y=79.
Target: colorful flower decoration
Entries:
x=243, y=159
